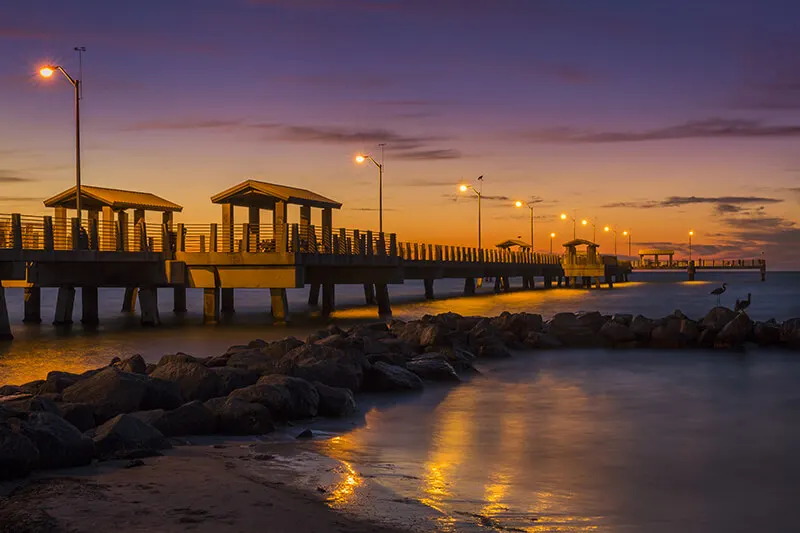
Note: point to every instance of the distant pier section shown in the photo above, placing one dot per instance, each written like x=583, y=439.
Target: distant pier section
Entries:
x=653, y=259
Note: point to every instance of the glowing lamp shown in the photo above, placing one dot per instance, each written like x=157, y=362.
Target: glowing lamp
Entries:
x=606, y=229
x=462, y=188
x=691, y=233
x=360, y=158
x=46, y=72
x=518, y=204
x=563, y=216
x=625, y=232
x=584, y=222
x=552, y=235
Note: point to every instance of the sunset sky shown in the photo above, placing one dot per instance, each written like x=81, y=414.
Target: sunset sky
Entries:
x=658, y=117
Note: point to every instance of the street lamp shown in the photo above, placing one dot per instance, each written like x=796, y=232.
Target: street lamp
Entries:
x=628, y=234
x=46, y=72
x=552, y=236
x=594, y=229
x=360, y=158
x=574, y=224
x=690, y=244
x=479, y=192
x=530, y=206
x=609, y=228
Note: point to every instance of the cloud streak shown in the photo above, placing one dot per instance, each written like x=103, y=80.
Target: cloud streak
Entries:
x=184, y=124
x=731, y=203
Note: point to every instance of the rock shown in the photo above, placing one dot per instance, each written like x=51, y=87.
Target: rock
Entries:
x=60, y=444
x=483, y=333
x=33, y=386
x=335, y=401
x=642, y=327
x=31, y=404
x=262, y=359
x=343, y=342
x=790, y=333
x=179, y=357
x=7, y=413
x=125, y=436
x=80, y=415
x=766, y=333
x=12, y=390
x=563, y=320
x=520, y=325
x=493, y=350
x=542, y=341
x=690, y=332
x=592, y=320
x=735, y=332
x=327, y=365
x=151, y=367
x=58, y=381
x=195, y=380
x=304, y=396
x=217, y=362
x=667, y=333
x=134, y=364
x=621, y=318
x=433, y=370
x=461, y=360
x=434, y=335
x=276, y=398
x=306, y=434
x=717, y=318
x=706, y=338
x=111, y=392
x=133, y=463
x=192, y=418
x=232, y=378
x=238, y=417
x=18, y=454
x=384, y=377
x=616, y=333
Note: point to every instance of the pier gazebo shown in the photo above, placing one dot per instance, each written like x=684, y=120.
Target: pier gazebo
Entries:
x=585, y=266
x=511, y=243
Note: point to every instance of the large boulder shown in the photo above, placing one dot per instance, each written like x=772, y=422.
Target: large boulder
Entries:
x=276, y=398
x=192, y=418
x=622, y=318
x=617, y=333
x=766, y=333
x=31, y=404
x=461, y=360
x=331, y=366
x=492, y=350
x=57, y=381
x=80, y=415
x=233, y=416
x=385, y=377
x=433, y=369
x=179, y=357
x=12, y=390
x=409, y=333
x=196, y=381
x=790, y=333
x=232, y=378
x=592, y=320
x=335, y=401
x=667, y=333
x=717, y=318
x=642, y=327
x=434, y=335
x=542, y=341
x=18, y=454
x=518, y=324
x=60, y=444
x=125, y=436
x=134, y=364
x=735, y=332
x=112, y=391
x=260, y=357
x=304, y=398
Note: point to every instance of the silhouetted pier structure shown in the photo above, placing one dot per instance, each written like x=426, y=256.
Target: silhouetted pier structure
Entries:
x=110, y=250
x=691, y=266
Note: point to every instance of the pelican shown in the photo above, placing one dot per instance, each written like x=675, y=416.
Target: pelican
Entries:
x=741, y=305
x=718, y=291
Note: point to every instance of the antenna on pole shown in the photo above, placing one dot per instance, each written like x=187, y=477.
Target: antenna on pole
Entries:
x=80, y=50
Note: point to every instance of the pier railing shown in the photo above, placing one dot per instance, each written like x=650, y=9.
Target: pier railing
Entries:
x=753, y=263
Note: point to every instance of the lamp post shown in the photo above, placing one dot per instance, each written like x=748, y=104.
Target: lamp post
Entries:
x=552, y=236
x=574, y=224
x=46, y=72
x=479, y=192
x=530, y=206
x=690, y=244
x=628, y=234
x=609, y=228
x=594, y=229
x=360, y=159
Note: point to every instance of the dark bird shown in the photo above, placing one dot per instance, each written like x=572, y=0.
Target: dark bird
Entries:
x=741, y=305
x=718, y=291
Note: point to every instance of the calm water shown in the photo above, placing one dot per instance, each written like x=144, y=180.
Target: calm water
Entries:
x=38, y=349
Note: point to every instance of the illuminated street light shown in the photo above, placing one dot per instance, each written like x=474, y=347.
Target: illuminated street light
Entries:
x=552, y=236
x=594, y=229
x=530, y=205
x=628, y=234
x=690, y=244
x=479, y=192
x=574, y=224
x=609, y=228
x=360, y=158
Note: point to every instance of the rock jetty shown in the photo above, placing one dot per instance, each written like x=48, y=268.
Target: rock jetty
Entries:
x=131, y=409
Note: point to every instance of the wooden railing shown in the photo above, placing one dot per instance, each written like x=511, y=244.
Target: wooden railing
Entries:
x=699, y=263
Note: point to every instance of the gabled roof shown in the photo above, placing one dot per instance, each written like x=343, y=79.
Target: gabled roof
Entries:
x=579, y=242
x=264, y=195
x=118, y=199
x=513, y=242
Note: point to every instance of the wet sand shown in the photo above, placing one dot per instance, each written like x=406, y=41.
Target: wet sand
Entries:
x=198, y=488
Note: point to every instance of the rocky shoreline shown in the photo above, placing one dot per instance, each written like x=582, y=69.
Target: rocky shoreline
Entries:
x=131, y=409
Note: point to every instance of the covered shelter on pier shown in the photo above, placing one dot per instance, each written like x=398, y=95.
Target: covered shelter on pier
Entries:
x=586, y=265
x=511, y=243
x=257, y=195
x=656, y=253
x=114, y=205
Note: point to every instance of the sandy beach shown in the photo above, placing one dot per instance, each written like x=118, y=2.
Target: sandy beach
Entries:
x=198, y=488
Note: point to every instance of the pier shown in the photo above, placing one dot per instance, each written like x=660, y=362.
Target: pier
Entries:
x=691, y=266
x=109, y=249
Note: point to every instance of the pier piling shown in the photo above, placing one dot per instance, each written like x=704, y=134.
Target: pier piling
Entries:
x=211, y=306
x=89, y=306
x=313, y=295
x=5, y=325
x=179, y=299
x=469, y=286
x=129, y=300
x=328, y=298
x=384, y=305
x=33, y=305
x=227, y=304
x=429, y=289
x=64, y=305
x=280, y=305
x=148, y=304
x=369, y=294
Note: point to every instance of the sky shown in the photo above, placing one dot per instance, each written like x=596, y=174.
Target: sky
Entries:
x=653, y=117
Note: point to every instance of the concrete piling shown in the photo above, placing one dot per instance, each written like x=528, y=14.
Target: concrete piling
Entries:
x=369, y=294
x=129, y=300
x=429, y=289
x=227, y=305
x=179, y=299
x=5, y=325
x=313, y=295
x=279, y=305
x=384, y=305
x=211, y=306
x=148, y=304
x=33, y=305
x=328, y=298
x=65, y=302
x=89, y=306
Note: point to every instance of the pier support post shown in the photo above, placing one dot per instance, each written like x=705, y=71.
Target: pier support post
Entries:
x=5, y=325
x=691, y=270
x=179, y=299
x=227, y=302
x=429, y=289
x=384, y=305
x=498, y=284
x=313, y=295
x=33, y=305
x=89, y=314
x=210, y=306
x=129, y=300
x=469, y=286
x=148, y=304
x=560, y=281
x=369, y=293
x=280, y=305
x=328, y=298
x=763, y=270
x=64, y=304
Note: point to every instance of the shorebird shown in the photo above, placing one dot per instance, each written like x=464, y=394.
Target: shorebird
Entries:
x=741, y=305
x=718, y=291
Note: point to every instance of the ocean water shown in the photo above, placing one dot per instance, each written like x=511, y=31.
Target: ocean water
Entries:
x=37, y=349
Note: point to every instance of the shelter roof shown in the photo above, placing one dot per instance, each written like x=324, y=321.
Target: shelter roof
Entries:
x=513, y=242
x=252, y=193
x=93, y=197
x=580, y=242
